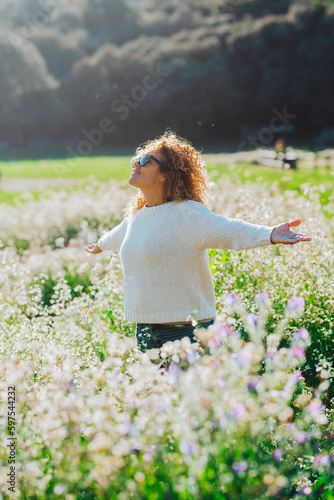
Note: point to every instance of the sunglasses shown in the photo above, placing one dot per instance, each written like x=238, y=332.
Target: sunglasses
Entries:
x=145, y=158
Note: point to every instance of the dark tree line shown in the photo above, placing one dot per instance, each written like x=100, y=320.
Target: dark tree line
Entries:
x=89, y=75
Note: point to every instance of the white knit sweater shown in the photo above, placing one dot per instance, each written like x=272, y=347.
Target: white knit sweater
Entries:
x=165, y=260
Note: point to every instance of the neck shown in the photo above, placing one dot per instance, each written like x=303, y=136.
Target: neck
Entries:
x=154, y=199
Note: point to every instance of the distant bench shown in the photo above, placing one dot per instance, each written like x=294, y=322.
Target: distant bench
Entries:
x=289, y=159
x=271, y=158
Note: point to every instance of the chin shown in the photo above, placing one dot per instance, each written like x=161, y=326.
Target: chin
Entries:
x=132, y=182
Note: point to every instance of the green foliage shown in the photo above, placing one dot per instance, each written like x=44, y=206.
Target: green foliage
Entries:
x=59, y=51
x=87, y=55
x=229, y=416
x=79, y=283
x=317, y=319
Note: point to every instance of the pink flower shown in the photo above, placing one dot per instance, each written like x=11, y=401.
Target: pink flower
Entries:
x=118, y=377
x=213, y=343
x=223, y=330
x=298, y=352
x=219, y=382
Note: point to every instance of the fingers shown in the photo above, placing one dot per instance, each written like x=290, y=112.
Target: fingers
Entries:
x=90, y=248
x=290, y=238
x=295, y=239
x=294, y=223
x=301, y=237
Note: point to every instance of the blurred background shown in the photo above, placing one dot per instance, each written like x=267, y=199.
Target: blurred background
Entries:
x=101, y=76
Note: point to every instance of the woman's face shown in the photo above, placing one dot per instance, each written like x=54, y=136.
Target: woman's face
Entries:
x=147, y=176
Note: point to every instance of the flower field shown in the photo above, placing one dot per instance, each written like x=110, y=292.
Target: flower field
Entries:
x=245, y=413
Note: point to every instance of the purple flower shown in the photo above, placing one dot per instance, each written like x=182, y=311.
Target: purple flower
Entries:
x=232, y=300
x=237, y=411
x=127, y=428
x=301, y=437
x=147, y=457
x=186, y=447
x=278, y=454
x=223, y=330
x=255, y=385
x=223, y=422
x=305, y=490
x=239, y=467
x=192, y=356
x=323, y=460
x=136, y=448
x=219, y=382
x=262, y=299
x=252, y=319
x=315, y=407
x=172, y=373
x=297, y=375
x=295, y=303
x=161, y=405
x=270, y=355
x=302, y=334
x=242, y=357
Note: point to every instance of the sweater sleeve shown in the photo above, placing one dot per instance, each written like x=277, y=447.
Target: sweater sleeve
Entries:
x=224, y=233
x=113, y=239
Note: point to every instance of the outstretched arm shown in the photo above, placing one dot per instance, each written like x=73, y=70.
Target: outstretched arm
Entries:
x=282, y=234
x=111, y=240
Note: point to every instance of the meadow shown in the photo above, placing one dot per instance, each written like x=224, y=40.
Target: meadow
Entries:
x=239, y=168
x=246, y=413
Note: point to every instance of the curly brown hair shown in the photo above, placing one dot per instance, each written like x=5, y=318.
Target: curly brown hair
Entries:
x=186, y=174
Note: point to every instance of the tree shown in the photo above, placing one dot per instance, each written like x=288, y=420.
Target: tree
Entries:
x=110, y=21
x=23, y=73
x=59, y=51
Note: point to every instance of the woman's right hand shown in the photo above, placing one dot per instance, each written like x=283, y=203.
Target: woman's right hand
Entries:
x=93, y=249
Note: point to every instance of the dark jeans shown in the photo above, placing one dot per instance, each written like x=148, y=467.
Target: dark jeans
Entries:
x=153, y=335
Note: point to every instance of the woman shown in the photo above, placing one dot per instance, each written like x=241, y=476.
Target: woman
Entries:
x=164, y=239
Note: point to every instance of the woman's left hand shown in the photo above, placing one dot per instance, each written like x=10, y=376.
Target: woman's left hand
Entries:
x=282, y=234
